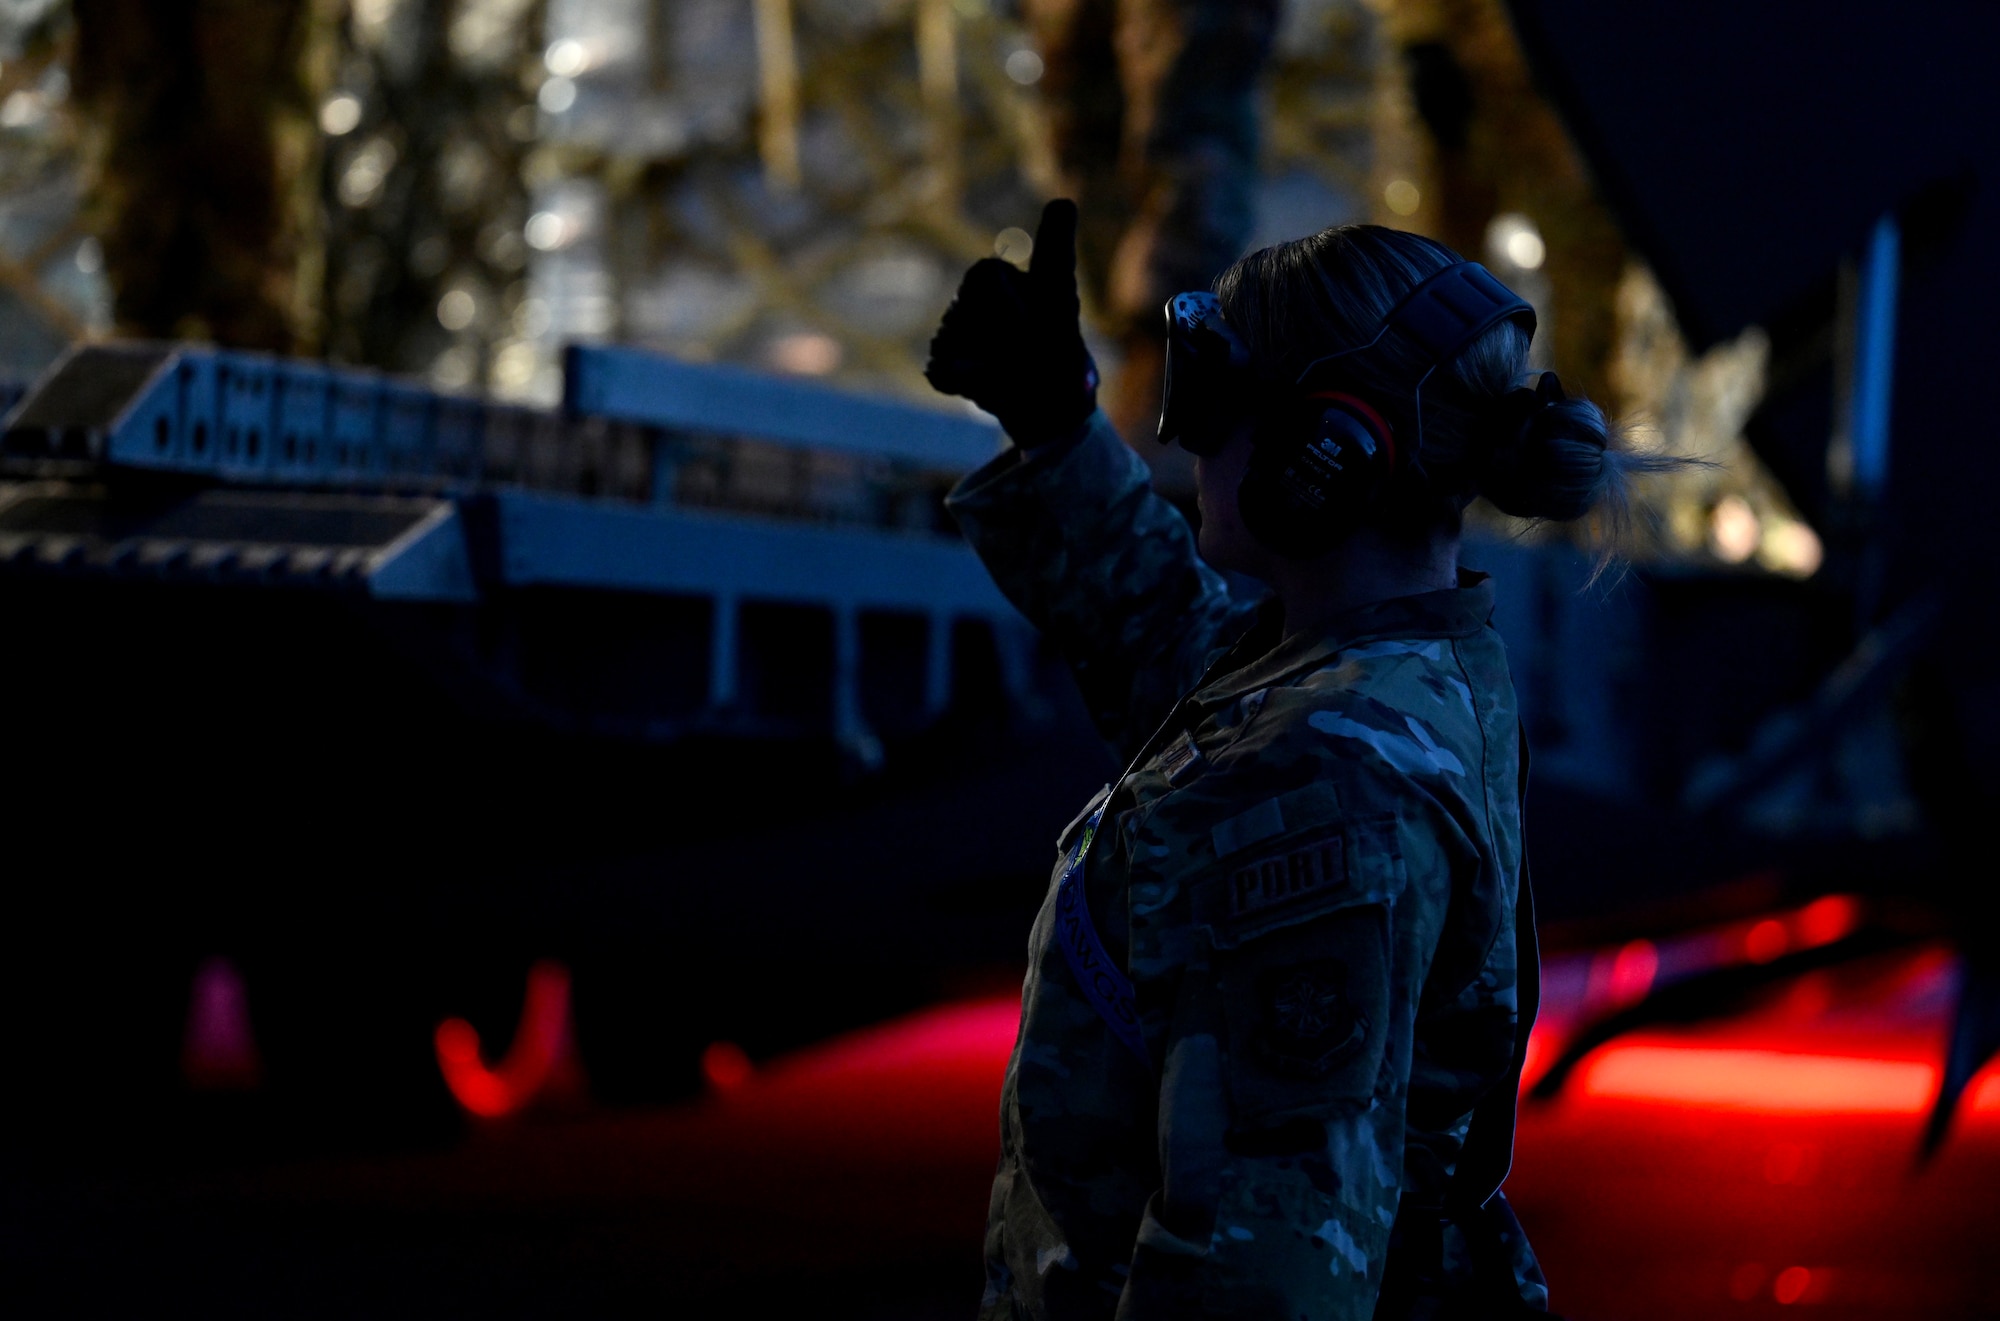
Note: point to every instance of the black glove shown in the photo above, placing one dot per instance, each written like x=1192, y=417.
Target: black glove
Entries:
x=1011, y=342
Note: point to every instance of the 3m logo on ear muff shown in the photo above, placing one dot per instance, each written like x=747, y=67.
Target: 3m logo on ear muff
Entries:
x=1348, y=420
x=1348, y=450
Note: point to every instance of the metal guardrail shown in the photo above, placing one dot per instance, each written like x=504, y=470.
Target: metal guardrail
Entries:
x=254, y=418
x=659, y=477
x=637, y=386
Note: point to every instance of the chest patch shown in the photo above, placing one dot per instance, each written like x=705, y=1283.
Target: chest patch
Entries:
x=1281, y=879
x=1181, y=760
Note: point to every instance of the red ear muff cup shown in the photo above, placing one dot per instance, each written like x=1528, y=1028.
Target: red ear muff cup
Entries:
x=1383, y=435
x=1314, y=472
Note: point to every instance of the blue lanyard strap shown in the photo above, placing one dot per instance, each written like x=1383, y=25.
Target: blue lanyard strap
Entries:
x=1104, y=983
x=1107, y=988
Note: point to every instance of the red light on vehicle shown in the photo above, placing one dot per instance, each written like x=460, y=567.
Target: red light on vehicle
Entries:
x=1794, y=1163
x=218, y=1049
x=482, y=1091
x=1765, y=941
x=725, y=1067
x=1633, y=970
x=1826, y=920
x=1791, y=1284
x=1535, y=1056
x=1766, y=1081
x=1746, y=1280
x=539, y=1055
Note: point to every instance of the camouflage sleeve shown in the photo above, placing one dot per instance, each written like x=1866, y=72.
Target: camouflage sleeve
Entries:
x=1287, y=1067
x=1464, y=1046
x=1464, y=1041
x=1075, y=537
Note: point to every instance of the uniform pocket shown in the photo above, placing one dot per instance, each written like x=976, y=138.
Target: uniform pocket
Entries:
x=1300, y=930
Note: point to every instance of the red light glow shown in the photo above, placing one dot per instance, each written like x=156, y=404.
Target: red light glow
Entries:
x=1765, y=941
x=1764, y=1081
x=1535, y=1056
x=725, y=1067
x=1791, y=1284
x=1826, y=920
x=1746, y=1280
x=218, y=1049
x=539, y=1056
x=1771, y=1149
x=1633, y=970
x=1792, y=1163
x=922, y=1083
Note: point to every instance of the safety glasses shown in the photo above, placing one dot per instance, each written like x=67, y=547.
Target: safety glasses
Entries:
x=1207, y=388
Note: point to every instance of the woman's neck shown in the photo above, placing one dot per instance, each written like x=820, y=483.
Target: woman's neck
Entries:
x=1363, y=569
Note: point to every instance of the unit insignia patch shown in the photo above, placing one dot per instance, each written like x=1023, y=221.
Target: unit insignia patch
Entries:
x=1309, y=1020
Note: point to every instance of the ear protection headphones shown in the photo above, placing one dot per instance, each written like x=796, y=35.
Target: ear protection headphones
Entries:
x=1323, y=452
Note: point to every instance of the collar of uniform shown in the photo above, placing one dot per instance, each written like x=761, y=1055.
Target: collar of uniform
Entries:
x=1455, y=612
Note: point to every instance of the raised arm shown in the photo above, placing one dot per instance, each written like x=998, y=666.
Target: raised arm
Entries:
x=1075, y=537
x=1067, y=521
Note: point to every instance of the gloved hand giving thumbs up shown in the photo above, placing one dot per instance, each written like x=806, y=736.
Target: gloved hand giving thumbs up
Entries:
x=1011, y=343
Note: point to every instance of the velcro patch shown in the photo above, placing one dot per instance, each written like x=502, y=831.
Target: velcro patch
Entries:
x=1279, y=879
x=1253, y=826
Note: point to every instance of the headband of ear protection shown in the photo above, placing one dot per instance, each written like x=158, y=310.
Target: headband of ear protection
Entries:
x=1322, y=452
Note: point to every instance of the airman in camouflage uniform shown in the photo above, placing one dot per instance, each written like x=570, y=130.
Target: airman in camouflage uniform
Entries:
x=1309, y=875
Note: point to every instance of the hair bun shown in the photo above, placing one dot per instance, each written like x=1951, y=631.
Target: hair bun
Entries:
x=1546, y=455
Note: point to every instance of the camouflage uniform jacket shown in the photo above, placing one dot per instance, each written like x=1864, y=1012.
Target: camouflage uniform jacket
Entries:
x=1308, y=875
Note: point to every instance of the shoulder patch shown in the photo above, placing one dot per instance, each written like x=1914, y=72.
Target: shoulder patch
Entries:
x=1279, y=879
x=1305, y=1010
x=1321, y=866
x=1310, y=1022
x=1253, y=826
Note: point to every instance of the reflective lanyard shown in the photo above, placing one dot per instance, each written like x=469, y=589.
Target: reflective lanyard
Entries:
x=1107, y=988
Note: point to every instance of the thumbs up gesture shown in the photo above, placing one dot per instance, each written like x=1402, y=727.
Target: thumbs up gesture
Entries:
x=1011, y=342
